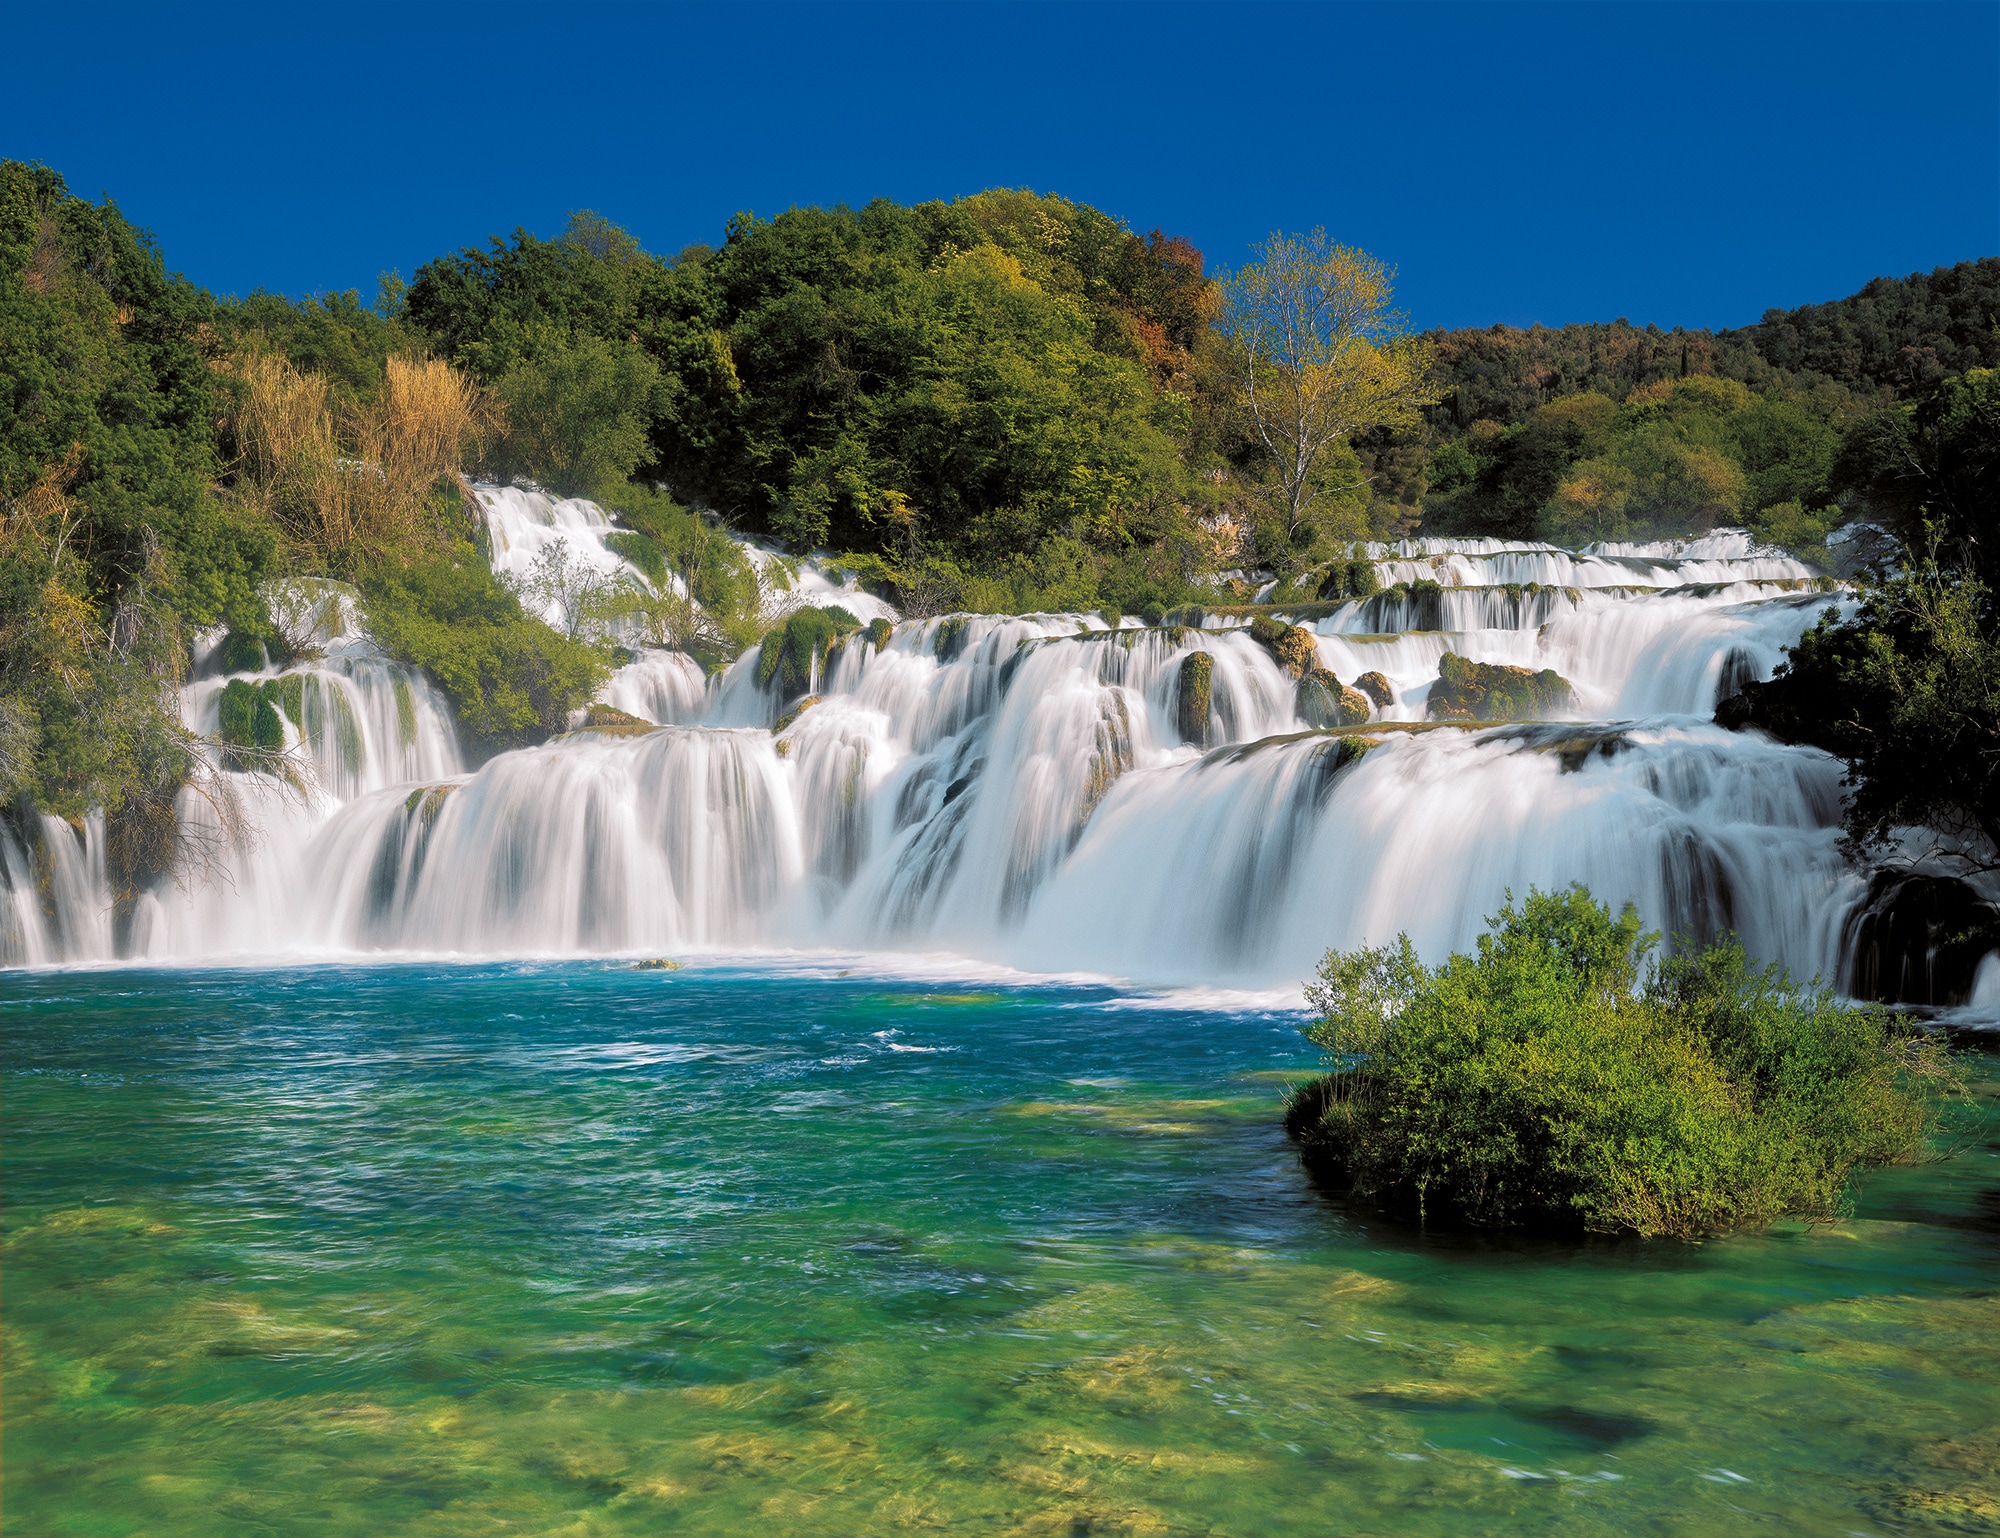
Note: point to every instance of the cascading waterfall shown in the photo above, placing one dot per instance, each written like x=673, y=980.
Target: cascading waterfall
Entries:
x=1018, y=790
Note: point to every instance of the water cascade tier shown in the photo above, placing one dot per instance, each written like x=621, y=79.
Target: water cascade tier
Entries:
x=1045, y=792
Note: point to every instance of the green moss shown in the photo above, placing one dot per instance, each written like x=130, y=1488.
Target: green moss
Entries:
x=878, y=632
x=1491, y=691
x=643, y=551
x=247, y=719
x=406, y=710
x=950, y=638
x=1352, y=579
x=240, y=653
x=288, y=694
x=803, y=642
x=1193, y=697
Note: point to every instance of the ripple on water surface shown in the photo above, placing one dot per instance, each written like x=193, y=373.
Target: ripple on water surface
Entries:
x=577, y=1249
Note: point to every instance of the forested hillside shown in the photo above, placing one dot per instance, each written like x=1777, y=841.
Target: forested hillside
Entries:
x=1006, y=402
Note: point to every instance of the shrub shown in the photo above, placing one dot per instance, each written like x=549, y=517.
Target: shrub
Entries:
x=510, y=678
x=576, y=413
x=1536, y=1084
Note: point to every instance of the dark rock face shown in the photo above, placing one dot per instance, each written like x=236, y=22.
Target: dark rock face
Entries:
x=1918, y=939
x=1491, y=691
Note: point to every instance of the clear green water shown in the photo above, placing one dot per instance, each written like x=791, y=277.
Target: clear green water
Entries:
x=581, y=1250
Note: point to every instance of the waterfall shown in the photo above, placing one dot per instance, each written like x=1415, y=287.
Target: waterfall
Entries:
x=1018, y=789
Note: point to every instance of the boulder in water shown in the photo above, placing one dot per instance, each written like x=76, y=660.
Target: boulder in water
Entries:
x=1196, y=683
x=1292, y=645
x=1323, y=700
x=609, y=721
x=795, y=712
x=1492, y=691
x=805, y=640
x=1377, y=688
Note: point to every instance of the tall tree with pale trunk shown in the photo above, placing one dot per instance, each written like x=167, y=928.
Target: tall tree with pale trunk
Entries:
x=1319, y=359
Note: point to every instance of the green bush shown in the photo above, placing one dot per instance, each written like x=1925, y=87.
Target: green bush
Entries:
x=249, y=718
x=1535, y=1083
x=576, y=412
x=511, y=679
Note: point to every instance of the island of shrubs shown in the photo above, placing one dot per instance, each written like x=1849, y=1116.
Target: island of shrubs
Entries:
x=1539, y=1084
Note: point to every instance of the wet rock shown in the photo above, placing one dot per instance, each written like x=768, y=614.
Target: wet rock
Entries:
x=1293, y=645
x=1918, y=939
x=1491, y=691
x=608, y=721
x=1194, y=696
x=1377, y=688
x=1323, y=701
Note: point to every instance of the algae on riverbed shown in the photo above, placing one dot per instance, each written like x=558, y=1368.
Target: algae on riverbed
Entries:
x=555, y=1250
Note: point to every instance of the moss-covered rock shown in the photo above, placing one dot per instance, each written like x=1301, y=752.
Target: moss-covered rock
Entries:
x=1491, y=691
x=1377, y=688
x=792, y=652
x=608, y=721
x=795, y=712
x=1346, y=580
x=878, y=632
x=949, y=640
x=287, y=693
x=1194, y=696
x=426, y=801
x=1323, y=700
x=248, y=718
x=1293, y=645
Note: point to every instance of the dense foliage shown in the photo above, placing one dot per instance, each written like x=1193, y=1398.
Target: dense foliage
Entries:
x=1005, y=402
x=1537, y=1082
x=994, y=389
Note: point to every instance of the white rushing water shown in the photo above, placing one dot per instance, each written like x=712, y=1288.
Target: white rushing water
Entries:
x=1017, y=790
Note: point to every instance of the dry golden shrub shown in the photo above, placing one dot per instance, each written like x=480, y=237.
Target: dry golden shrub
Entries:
x=366, y=477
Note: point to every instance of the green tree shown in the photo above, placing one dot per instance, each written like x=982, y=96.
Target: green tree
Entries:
x=1319, y=359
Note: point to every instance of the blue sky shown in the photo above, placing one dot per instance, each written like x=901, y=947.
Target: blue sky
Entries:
x=1672, y=164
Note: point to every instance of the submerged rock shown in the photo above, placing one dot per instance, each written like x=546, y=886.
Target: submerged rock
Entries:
x=1194, y=696
x=1492, y=691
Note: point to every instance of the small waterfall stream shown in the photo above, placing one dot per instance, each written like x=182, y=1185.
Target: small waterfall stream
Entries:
x=1017, y=790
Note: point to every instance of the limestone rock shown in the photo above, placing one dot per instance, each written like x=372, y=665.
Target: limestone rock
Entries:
x=1196, y=684
x=1377, y=688
x=1491, y=691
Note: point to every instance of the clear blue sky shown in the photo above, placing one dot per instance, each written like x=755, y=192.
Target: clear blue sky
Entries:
x=1674, y=164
